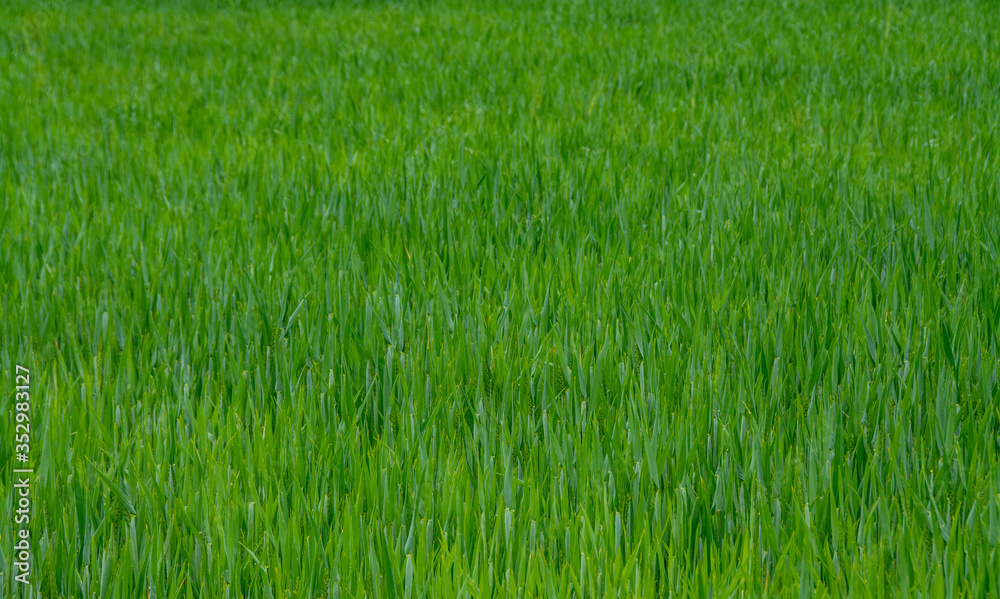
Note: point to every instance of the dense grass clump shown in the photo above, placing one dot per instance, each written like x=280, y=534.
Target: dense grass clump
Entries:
x=551, y=299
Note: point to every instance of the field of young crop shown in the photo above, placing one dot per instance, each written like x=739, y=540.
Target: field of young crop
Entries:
x=544, y=299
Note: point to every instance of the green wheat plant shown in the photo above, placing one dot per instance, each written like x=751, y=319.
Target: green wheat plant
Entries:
x=541, y=299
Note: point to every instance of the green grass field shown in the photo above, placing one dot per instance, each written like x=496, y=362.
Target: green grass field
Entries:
x=549, y=299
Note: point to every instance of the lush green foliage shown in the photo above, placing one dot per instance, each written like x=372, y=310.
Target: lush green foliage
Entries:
x=552, y=300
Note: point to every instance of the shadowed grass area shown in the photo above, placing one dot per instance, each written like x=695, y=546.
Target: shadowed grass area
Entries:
x=552, y=299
